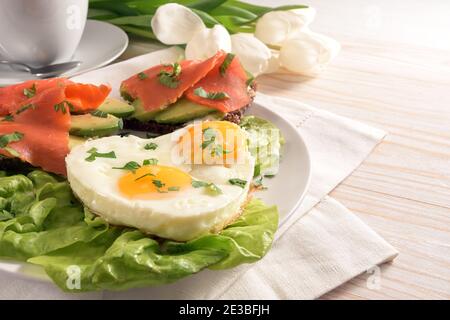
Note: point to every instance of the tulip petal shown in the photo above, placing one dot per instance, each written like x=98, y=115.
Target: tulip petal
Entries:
x=253, y=54
x=274, y=62
x=175, y=24
x=206, y=42
x=306, y=14
x=309, y=53
x=275, y=27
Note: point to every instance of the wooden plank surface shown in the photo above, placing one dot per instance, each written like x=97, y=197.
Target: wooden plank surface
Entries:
x=393, y=73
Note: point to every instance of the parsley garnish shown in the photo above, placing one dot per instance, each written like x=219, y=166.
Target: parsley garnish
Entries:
x=150, y=146
x=8, y=117
x=170, y=79
x=150, y=162
x=210, y=95
x=158, y=183
x=131, y=166
x=211, y=188
x=238, y=182
x=174, y=189
x=199, y=184
x=8, y=138
x=30, y=92
x=99, y=114
x=94, y=154
x=257, y=170
x=226, y=63
x=145, y=175
x=25, y=108
x=209, y=137
x=62, y=107
x=142, y=76
x=250, y=79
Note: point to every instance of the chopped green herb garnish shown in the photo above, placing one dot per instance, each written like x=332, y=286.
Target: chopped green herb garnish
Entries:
x=210, y=95
x=150, y=162
x=161, y=191
x=238, y=182
x=258, y=183
x=211, y=188
x=8, y=138
x=30, y=92
x=25, y=108
x=226, y=63
x=170, y=79
x=158, y=183
x=142, y=76
x=99, y=114
x=174, y=189
x=206, y=143
x=94, y=154
x=250, y=79
x=145, y=175
x=199, y=184
x=257, y=170
x=62, y=107
x=8, y=117
x=132, y=166
x=218, y=150
x=209, y=133
x=150, y=146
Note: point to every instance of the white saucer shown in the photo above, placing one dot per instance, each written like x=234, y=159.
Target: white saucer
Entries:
x=100, y=44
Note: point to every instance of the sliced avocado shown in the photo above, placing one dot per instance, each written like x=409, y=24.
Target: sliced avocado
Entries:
x=75, y=141
x=144, y=115
x=182, y=111
x=87, y=125
x=116, y=108
x=124, y=94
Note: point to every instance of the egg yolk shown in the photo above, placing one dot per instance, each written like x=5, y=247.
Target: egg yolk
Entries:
x=212, y=142
x=154, y=182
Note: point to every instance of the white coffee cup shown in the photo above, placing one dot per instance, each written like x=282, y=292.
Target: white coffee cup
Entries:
x=41, y=32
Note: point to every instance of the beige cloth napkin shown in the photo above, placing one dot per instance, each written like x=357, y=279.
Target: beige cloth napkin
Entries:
x=321, y=246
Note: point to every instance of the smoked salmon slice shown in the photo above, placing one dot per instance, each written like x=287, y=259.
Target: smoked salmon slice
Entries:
x=13, y=97
x=82, y=97
x=226, y=87
x=41, y=133
x=86, y=97
x=157, y=92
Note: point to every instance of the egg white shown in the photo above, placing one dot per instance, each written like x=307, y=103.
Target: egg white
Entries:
x=186, y=215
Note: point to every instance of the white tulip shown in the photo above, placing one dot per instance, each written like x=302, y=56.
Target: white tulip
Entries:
x=253, y=54
x=306, y=14
x=275, y=27
x=274, y=62
x=206, y=42
x=175, y=24
x=309, y=53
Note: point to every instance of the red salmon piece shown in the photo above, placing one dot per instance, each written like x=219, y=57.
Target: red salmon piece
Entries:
x=45, y=140
x=83, y=97
x=233, y=82
x=147, y=87
x=13, y=97
x=86, y=97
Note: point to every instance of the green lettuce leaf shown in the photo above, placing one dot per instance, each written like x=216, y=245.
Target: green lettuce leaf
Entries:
x=41, y=222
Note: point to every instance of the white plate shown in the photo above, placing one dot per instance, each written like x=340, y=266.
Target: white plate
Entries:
x=100, y=44
x=286, y=189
